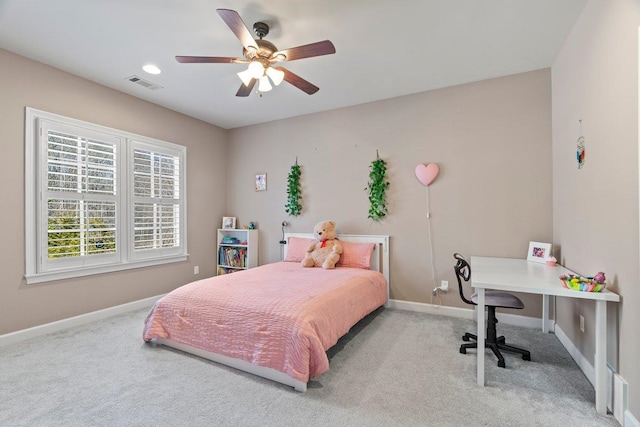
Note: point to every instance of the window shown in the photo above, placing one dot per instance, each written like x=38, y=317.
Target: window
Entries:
x=99, y=199
x=156, y=200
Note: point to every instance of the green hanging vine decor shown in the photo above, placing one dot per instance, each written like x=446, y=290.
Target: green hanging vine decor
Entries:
x=377, y=188
x=294, y=192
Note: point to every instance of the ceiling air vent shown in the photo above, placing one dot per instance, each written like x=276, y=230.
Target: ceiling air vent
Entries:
x=143, y=83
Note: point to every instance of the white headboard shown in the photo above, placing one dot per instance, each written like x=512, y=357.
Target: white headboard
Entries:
x=379, y=260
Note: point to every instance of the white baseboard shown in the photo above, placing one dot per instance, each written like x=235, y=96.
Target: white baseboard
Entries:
x=464, y=313
x=586, y=367
x=83, y=319
x=420, y=307
x=630, y=420
x=47, y=328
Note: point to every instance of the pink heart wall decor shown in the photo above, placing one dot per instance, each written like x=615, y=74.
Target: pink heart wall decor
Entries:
x=426, y=174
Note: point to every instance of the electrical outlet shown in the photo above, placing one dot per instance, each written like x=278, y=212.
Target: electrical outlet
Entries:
x=444, y=285
x=196, y=269
x=581, y=323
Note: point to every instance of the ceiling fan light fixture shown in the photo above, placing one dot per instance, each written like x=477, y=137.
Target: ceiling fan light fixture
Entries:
x=257, y=69
x=245, y=76
x=276, y=75
x=254, y=71
x=264, y=85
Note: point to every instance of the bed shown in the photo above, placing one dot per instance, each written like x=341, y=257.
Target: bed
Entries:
x=277, y=320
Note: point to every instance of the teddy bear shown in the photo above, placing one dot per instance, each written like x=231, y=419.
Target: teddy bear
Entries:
x=325, y=252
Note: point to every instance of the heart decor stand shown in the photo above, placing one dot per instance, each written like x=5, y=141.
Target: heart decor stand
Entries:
x=426, y=174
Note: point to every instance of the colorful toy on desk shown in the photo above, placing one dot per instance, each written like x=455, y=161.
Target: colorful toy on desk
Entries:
x=584, y=284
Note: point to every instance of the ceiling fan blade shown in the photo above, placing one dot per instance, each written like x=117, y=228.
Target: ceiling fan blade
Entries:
x=233, y=20
x=298, y=81
x=209, y=59
x=246, y=90
x=307, y=51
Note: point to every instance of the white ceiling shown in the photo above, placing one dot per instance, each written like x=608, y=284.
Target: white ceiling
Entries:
x=384, y=49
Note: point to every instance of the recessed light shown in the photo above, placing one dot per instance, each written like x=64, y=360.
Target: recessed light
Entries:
x=151, y=69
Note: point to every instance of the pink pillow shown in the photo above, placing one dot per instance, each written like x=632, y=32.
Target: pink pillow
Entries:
x=356, y=255
x=297, y=248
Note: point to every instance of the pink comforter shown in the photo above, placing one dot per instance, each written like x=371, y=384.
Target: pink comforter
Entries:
x=279, y=315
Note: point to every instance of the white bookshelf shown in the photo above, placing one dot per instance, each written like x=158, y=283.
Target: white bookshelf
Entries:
x=237, y=250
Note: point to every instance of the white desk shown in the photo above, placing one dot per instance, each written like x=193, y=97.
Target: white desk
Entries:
x=520, y=275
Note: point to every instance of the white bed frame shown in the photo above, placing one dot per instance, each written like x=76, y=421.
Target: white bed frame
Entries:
x=380, y=262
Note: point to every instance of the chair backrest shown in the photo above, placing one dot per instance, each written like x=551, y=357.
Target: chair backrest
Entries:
x=463, y=272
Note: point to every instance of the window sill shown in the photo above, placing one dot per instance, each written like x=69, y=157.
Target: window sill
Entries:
x=90, y=271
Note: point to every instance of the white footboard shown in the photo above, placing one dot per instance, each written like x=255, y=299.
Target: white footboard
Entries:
x=239, y=364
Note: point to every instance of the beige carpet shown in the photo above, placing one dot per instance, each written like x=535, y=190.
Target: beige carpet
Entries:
x=395, y=368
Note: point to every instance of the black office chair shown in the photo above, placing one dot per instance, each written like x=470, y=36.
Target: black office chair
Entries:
x=492, y=300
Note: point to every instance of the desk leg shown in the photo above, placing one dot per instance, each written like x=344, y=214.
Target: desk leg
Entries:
x=600, y=358
x=480, y=334
x=546, y=327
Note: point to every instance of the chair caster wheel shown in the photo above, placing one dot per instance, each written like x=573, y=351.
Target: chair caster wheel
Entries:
x=501, y=363
x=463, y=350
x=526, y=357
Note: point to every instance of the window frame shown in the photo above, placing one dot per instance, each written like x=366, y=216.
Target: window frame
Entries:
x=144, y=254
x=38, y=268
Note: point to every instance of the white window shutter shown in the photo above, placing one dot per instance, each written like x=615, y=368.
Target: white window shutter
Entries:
x=99, y=199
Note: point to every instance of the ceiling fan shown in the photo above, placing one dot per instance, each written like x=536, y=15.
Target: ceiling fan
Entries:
x=261, y=55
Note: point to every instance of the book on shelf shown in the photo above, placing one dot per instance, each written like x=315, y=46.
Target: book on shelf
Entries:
x=232, y=257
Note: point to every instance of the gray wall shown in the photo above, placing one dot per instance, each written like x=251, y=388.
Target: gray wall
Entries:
x=595, y=210
x=491, y=139
x=27, y=83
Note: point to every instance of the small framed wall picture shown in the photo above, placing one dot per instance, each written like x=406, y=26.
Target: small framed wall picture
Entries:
x=229, y=222
x=261, y=182
x=538, y=252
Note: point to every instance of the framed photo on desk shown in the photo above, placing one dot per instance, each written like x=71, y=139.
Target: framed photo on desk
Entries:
x=538, y=252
